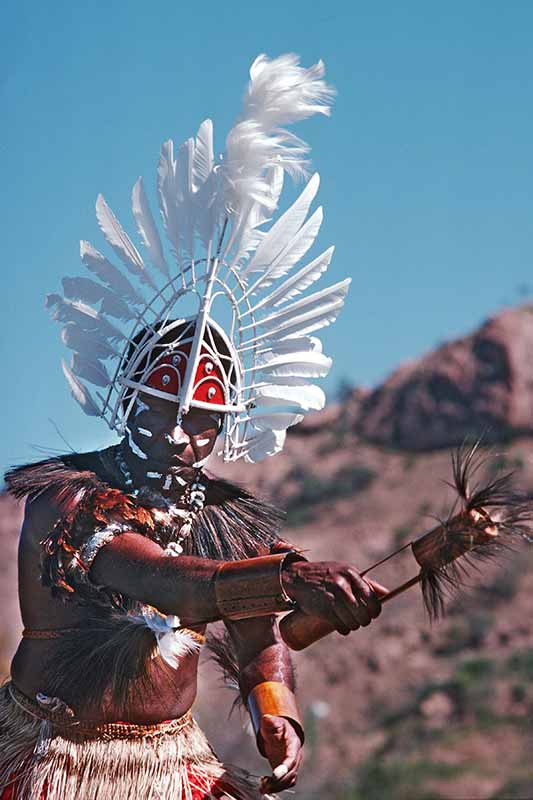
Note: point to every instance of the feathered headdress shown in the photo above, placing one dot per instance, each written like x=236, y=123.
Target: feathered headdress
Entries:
x=257, y=360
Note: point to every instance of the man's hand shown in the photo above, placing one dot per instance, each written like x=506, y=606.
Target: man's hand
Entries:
x=283, y=748
x=334, y=591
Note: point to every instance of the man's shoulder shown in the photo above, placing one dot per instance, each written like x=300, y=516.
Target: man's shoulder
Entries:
x=65, y=475
x=52, y=488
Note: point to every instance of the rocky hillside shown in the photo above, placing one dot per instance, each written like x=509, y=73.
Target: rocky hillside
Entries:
x=402, y=709
x=480, y=384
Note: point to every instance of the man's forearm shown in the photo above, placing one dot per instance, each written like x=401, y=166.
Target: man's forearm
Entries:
x=196, y=589
x=266, y=673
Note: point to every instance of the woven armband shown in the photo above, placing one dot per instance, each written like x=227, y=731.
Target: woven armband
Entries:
x=253, y=587
x=272, y=697
x=82, y=560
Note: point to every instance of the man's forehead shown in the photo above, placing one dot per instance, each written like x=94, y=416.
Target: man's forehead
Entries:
x=158, y=405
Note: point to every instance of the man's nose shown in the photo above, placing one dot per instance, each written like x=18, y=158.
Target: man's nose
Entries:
x=179, y=436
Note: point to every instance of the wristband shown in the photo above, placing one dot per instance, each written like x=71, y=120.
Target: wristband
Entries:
x=272, y=697
x=253, y=587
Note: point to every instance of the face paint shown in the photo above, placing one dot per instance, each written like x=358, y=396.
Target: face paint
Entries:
x=202, y=442
x=177, y=437
x=153, y=475
x=141, y=406
x=199, y=464
x=145, y=432
x=135, y=448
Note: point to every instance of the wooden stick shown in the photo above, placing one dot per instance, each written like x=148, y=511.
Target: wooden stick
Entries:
x=299, y=630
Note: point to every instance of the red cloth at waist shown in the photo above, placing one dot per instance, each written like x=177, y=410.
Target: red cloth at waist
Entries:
x=218, y=788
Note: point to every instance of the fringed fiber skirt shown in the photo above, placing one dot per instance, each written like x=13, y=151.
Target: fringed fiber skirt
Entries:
x=40, y=760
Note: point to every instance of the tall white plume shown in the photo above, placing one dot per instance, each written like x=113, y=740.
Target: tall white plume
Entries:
x=280, y=92
x=223, y=240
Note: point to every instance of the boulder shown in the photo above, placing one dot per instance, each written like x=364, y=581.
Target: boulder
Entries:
x=479, y=385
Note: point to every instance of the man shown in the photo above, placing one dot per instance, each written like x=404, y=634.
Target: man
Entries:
x=128, y=553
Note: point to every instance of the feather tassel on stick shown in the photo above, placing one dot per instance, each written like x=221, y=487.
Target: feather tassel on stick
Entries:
x=491, y=518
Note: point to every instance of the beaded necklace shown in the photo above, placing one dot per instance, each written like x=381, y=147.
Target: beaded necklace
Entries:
x=192, y=497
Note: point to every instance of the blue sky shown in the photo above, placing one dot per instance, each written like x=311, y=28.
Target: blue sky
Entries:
x=426, y=163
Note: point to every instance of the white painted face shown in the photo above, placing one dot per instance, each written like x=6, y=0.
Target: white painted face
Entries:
x=155, y=437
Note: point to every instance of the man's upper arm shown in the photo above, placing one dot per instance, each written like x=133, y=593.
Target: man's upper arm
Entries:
x=126, y=564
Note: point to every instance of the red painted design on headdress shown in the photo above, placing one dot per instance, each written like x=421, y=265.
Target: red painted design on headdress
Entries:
x=208, y=380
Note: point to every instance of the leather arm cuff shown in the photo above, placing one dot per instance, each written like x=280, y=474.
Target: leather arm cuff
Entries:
x=253, y=587
x=272, y=697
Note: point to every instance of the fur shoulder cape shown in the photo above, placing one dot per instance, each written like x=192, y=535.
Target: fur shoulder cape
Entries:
x=232, y=525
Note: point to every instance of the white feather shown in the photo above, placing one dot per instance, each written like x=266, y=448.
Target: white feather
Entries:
x=276, y=179
x=206, y=211
x=296, y=249
x=306, y=323
x=80, y=393
x=204, y=184
x=89, y=291
x=184, y=196
x=296, y=344
x=83, y=315
x=173, y=642
x=167, y=192
x=108, y=273
x=249, y=237
x=267, y=443
x=175, y=645
x=287, y=380
x=306, y=398
x=276, y=421
x=147, y=227
x=121, y=242
x=304, y=311
x=203, y=154
x=90, y=370
x=298, y=365
x=87, y=343
x=250, y=153
x=281, y=92
x=299, y=282
x=284, y=229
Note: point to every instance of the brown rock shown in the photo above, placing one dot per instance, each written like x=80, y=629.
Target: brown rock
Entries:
x=481, y=384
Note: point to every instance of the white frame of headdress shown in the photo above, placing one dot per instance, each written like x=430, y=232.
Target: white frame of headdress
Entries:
x=223, y=207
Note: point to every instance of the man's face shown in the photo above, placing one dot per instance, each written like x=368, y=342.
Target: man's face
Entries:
x=154, y=431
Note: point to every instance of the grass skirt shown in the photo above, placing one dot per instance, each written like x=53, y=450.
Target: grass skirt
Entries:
x=40, y=760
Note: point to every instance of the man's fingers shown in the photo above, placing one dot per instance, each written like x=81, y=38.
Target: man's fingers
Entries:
x=294, y=748
x=337, y=617
x=272, y=726
x=272, y=784
x=347, y=605
x=379, y=589
x=285, y=773
x=368, y=596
